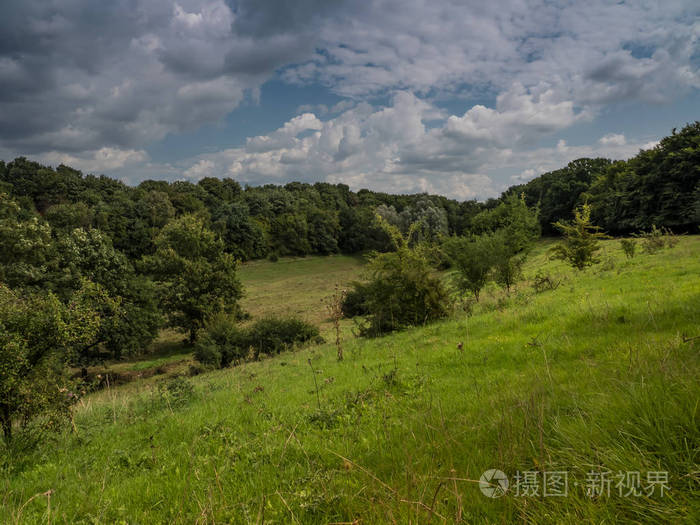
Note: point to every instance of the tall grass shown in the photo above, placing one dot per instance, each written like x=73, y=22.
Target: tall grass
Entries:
x=598, y=375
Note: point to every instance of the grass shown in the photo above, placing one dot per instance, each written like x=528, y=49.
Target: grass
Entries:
x=598, y=375
x=296, y=286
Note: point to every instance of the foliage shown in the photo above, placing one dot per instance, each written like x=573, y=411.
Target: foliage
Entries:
x=473, y=259
x=427, y=221
x=220, y=342
x=28, y=251
x=544, y=282
x=355, y=301
x=659, y=186
x=175, y=392
x=197, y=278
x=65, y=263
x=657, y=239
x=272, y=335
x=400, y=290
x=38, y=334
x=508, y=252
x=507, y=232
x=557, y=193
x=580, y=242
x=592, y=377
x=629, y=246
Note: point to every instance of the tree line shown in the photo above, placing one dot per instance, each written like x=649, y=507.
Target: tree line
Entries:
x=657, y=187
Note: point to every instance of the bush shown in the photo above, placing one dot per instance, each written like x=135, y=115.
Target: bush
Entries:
x=355, y=302
x=272, y=335
x=402, y=291
x=176, y=392
x=653, y=240
x=629, y=246
x=580, y=243
x=473, y=261
x=544, y=282
x=221, y=342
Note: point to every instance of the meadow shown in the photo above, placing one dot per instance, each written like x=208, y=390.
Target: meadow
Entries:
x=598, y=374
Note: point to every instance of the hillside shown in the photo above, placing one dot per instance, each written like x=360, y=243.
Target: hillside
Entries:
x=597, y=375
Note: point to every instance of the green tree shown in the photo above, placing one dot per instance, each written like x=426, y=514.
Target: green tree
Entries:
x=289, y=235
x=38, y=333
x=401, y=290
x=127, y=302
x=68, y=216
x=197, y=278
x=323, y=231
x=430, y=221
x=510, y=229
x=580, y=242
x=659, y=186
x=558, y=192
x=473, y=259
x=508, y=255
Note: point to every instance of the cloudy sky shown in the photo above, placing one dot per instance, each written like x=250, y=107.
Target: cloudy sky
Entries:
x=461, y=98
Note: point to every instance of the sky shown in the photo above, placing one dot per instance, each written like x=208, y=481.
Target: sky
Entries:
x=460, y=98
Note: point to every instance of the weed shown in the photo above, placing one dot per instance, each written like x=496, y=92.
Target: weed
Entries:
x=629, y=247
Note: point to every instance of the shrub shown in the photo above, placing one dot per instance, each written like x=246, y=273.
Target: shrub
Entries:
x=176, y=392
x=629, y=246
x=272, y=335
x=221, y=342
x=580, y=242
x=670, y=238
x=653, y=240
x=508, y=255
x=544, y=282
x=273, y=257
x=473, y=261
x=355, y=300
x=401, y=290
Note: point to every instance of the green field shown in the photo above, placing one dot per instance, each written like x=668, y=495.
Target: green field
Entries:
x=597, y=375
x=296, y=286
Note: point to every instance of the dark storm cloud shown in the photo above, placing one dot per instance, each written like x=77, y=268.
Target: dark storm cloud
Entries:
x=79, y=75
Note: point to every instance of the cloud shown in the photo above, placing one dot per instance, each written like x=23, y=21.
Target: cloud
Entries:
x=592, y=53
x=520, y=116
x=391, y=149
x=613, y=139
x=97, y=84
x=76, y=77
x=98, y=161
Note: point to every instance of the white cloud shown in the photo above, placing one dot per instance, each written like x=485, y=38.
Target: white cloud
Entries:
x=391, y=149
x=520, y=116
x=613, y=139
x=97, y=161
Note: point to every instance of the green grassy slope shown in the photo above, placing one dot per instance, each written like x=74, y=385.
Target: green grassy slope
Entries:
x=296, y=286
x=597, y=375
